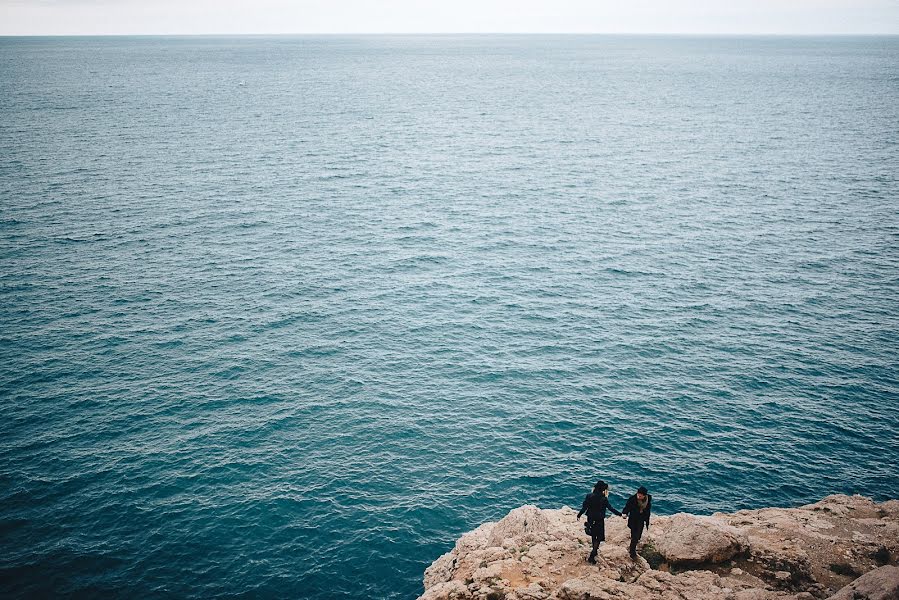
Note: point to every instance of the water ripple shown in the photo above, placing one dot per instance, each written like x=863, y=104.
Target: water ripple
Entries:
x=293, y=337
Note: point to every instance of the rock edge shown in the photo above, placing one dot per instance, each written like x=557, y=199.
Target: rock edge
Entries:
x=842, y=547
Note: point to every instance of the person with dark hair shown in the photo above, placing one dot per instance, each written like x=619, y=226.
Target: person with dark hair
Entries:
x=637, y=510
x=595, y=506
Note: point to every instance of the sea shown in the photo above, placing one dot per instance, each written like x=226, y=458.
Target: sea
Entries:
x=284, y=316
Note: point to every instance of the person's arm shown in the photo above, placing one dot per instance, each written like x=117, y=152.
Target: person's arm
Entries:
x=612, y=508
x=648, y=510
x=628, y=507
x=583, y=508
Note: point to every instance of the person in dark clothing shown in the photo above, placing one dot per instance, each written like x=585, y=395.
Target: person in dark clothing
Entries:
x=595, y=506
x=637, y=510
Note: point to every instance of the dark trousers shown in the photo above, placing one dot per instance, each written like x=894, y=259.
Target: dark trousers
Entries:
x=636, y=533
x=597, y=534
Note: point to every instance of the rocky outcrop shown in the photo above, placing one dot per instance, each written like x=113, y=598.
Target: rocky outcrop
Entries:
x=879, y=584
x=843, y=547
x=691, y=540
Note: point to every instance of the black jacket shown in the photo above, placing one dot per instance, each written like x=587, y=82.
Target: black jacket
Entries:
x=595, y=506
x=635, y=518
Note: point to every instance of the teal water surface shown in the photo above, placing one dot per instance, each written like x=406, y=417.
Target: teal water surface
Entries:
x=282, y=317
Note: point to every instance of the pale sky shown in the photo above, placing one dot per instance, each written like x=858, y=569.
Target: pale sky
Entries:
x=60, y=17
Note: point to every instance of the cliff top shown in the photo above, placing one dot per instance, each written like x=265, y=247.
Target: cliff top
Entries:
x=843, y=548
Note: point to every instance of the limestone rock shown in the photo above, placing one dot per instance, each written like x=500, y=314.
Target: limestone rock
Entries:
x=692, y=540
x=520, y=522
x=890, y=508
x=447, y=590
x=596, y=587
x=879, y=584
x=441, y=570
x=804, y=553
x=533, y=591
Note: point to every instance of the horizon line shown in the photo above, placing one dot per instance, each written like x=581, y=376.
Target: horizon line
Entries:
x=457, y=33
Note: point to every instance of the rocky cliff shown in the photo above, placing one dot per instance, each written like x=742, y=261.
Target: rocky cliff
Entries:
x=842, y=548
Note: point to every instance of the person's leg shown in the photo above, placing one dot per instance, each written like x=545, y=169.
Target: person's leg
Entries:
x=636, y=532
x=596, y=538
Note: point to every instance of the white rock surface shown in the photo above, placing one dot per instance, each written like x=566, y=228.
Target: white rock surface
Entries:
x=805, y=553
x=689, y=539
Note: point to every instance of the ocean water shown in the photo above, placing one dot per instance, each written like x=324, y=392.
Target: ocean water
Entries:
x=282, y=317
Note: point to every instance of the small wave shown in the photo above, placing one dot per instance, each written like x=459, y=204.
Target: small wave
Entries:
x=315, y=351
x=415, y=262
x=81, y=239
x=628, y=273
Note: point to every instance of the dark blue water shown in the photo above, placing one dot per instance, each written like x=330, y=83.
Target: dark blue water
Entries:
x=283, y=317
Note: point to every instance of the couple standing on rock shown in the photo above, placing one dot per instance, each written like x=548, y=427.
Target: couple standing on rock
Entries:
x=636, y=511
